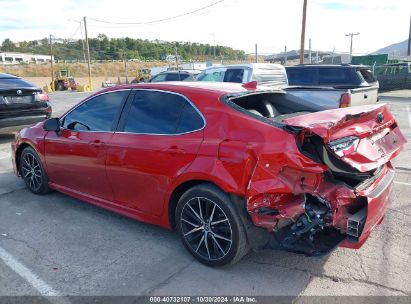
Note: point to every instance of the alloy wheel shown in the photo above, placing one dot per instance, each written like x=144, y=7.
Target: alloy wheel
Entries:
x=206, y=228
x=31, y=172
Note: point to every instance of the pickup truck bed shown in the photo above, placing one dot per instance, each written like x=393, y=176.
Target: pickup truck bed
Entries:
x=323, y=98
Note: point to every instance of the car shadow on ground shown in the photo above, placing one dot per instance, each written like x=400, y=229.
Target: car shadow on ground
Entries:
x=6, y=137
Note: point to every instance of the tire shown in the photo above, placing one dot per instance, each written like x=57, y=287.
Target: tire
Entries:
x=60, y=86
x=32, y=172
x=214, y=234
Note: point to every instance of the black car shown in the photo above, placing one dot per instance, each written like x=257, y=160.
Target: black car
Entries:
x=337, y=75
x=21, y=103
x=182, y=75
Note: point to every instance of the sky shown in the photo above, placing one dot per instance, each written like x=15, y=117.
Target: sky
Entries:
x=272, y=24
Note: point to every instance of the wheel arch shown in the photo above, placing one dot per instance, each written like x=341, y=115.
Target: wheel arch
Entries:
x=19, y=150
x=178, y=192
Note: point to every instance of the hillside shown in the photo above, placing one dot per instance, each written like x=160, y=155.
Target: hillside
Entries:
x=104, y=48
x=399, y=49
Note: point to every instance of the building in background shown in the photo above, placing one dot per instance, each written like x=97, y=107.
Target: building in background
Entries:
x=15, y=58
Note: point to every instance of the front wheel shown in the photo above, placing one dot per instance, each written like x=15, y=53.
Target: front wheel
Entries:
x=33, y=172
x=210, y=227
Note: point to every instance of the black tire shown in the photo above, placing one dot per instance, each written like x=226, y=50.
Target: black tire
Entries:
x=215, y=238
x=60, y=86
x=32, y=172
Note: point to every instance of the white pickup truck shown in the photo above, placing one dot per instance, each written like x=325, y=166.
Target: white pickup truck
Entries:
x=339, y=85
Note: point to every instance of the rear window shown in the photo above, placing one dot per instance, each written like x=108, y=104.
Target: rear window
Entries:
x=15, y=83
x=301, y=76
x=176, y=76
x=368, y=75
x=334, y=76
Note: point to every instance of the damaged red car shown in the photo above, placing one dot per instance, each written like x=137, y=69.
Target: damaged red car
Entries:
x=231, y=167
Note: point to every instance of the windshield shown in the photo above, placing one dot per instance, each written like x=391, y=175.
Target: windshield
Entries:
x=212, y=75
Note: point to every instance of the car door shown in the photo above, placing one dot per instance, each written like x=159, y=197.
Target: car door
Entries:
x=158, y=138
x=75, y=157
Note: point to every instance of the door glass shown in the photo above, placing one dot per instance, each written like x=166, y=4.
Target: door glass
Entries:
x=96, y=114
x=155, y=112
x=234, y=75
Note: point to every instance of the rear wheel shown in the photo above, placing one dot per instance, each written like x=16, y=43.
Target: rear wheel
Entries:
x=33, y=172
x=210, y=227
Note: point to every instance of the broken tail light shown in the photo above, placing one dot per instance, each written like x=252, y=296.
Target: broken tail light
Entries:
x=344, y=146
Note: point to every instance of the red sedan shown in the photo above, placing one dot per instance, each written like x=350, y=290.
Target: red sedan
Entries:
x=231, y=167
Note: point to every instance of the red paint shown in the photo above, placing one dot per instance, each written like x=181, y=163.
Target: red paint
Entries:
x=135, y=175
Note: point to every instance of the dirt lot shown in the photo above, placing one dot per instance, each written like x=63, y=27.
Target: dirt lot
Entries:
x=57, y=245
x=42, y=81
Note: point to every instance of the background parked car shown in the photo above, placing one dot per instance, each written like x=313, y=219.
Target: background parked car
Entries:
x=396, y=76
x=180, y=75
x=264, y=73
x=21, y=103
x=332, y=86
x=335, y=76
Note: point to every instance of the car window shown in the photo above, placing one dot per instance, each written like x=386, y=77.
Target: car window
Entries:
x=158, y=78
x=96, y=114
x=189, y=120
x=334, y=76
x=302, y=76
x=154, y=112
x=368, y=75
x=212, y=75
x=234, y=75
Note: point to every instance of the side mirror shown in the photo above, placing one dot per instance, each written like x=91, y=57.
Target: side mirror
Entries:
x=52, y=124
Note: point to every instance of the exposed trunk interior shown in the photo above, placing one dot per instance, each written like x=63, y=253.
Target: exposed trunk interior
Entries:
x=278, y=106
x=275, y=106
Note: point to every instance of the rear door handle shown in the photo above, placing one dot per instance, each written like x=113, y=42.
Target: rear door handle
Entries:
x=97, y=143
x=173, y=150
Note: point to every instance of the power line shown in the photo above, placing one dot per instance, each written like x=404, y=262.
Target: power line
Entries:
x=159, y=20
x=75, y=33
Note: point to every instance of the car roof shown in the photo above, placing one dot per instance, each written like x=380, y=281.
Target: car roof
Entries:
x=328, y=66
x=178, y=72
x=8, y=76
x=217, y=88
x=249, y=65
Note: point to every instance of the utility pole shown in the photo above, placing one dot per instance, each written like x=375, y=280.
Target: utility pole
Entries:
x=409, y=41
x=256, y=53
x=88, y=56
x=309, y=51
x=285, y=55
x=51, y=63
x=176, y=55
x=82, y=43
x=303, y=32
x=351, y=35
x=125, y=65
